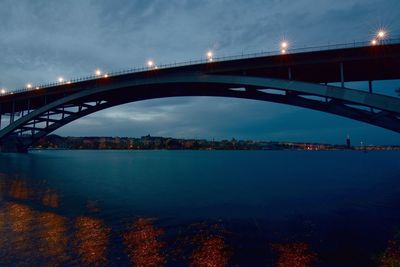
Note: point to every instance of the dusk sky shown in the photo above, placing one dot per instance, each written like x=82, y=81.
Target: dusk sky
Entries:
x=42, y=40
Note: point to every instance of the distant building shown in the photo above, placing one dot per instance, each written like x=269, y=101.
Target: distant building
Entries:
x=348, y=142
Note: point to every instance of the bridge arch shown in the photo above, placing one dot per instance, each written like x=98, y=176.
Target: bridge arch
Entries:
x=379, y=110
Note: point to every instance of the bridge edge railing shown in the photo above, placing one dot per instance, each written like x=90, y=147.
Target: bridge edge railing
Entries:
x=360, y=44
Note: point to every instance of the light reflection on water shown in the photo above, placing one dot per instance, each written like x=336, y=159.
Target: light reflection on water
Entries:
x=30, y=236
x=39, y=226
x=143, y=244
x=91, y=240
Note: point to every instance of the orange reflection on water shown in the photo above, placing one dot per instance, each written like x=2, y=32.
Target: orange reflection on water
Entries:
x=143, y=245
x=212, y=252
x=19, y=189
x=2, y=186
x=92, y=206
x=391, y=257
x=20, y=217
x=294, y=255
x=2, y=228
x=53, y=238
x=91, y=240
x=50, y=198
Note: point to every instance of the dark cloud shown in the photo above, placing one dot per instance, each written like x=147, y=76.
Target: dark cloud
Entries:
x=41, y=40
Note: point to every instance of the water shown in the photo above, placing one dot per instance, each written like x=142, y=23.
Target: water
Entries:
x=235, y=208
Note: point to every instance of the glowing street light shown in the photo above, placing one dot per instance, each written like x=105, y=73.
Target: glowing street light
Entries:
x=105, y=75
x=29, y=86
x=381, y=34
x=150, y=63
x=97, y=72
x=3, y=91
x=210, y=56
x=284, y=47
x=60, y=79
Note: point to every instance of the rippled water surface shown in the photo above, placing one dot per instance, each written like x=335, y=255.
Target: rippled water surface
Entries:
x=200, y=208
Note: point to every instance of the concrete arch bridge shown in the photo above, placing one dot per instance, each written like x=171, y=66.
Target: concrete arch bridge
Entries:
x=299, y=78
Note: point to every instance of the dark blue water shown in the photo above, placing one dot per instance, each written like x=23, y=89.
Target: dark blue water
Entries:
x=222, y=208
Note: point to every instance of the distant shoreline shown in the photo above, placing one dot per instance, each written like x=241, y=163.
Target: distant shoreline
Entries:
x=55, y=142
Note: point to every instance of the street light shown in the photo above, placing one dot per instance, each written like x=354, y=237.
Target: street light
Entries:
x=3, y=91
x=150, y=63
x=381, y=34
x=98, y=72
x=29, y=86
x=379, y=37
x=60, y=79
x=210, y=56
x=284, y=46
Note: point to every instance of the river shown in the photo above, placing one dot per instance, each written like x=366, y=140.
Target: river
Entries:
x=222, y=208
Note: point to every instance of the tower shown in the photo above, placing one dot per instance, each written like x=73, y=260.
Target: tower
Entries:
x=348, y=143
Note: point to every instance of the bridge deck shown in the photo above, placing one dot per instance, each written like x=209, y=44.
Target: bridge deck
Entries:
x=359, y=64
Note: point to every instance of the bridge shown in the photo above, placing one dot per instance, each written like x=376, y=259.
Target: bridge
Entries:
x=300, y=78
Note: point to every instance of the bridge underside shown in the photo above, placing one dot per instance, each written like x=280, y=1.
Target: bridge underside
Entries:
x=41, y=115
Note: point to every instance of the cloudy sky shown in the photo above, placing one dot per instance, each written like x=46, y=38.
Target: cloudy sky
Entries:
x=42, y=40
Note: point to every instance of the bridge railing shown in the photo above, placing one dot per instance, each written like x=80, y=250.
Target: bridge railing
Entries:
x=206, y=60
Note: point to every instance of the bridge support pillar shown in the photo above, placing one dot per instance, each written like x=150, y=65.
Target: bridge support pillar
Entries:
x=13, y=144
x=370, y=91
x=341, y=74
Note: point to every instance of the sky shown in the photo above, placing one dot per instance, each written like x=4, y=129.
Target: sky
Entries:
x=43, y=40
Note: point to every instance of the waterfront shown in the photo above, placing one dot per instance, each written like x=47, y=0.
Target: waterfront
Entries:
x=246, y=208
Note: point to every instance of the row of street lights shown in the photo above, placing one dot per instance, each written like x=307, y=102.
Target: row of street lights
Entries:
x=209, y=55
x=284, y=46
x=380, y=35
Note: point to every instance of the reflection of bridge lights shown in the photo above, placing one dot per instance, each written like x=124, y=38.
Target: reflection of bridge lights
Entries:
x=98, y=72
x=37, y=88
x=60, y=79
x=91, y=240
x=374, y=42
x=29, y=86
x=105, y=75
x=283, y=51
